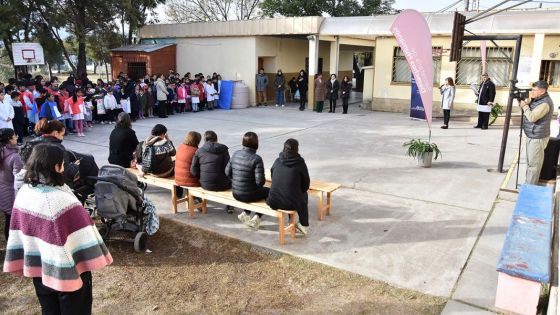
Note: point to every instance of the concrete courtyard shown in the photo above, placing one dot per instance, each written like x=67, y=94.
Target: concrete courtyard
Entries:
x=392, y=220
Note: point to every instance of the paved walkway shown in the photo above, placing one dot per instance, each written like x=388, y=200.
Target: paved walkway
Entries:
x=392, y=221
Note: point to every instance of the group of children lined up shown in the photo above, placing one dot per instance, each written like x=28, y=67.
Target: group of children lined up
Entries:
x=81, y=103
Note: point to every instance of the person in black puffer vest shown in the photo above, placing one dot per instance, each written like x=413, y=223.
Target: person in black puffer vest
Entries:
x=290, y=182
x=209, y=165
x=246, y=170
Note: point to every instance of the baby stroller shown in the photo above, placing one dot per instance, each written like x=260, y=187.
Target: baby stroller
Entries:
x=120, y=204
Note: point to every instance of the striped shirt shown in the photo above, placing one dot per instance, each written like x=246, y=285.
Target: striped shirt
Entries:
x=53, y=237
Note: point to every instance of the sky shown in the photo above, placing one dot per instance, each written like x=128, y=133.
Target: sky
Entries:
x=434, y=5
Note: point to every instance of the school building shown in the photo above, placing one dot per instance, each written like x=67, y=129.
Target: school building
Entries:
x=365, y=48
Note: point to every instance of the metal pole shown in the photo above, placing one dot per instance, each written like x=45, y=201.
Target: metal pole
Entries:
x=510, y=103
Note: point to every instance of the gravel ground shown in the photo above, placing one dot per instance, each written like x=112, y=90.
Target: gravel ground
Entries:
x=191, y=271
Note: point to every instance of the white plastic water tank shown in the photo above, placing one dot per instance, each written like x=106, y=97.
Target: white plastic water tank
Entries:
x=240, y=98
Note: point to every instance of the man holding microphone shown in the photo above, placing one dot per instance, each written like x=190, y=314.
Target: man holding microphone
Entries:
x=537, y=114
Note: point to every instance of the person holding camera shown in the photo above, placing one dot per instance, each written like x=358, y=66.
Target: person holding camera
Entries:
x=537, y=114
x=485, y=101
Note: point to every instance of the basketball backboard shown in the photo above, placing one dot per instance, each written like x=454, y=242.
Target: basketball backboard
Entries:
x=26, y=54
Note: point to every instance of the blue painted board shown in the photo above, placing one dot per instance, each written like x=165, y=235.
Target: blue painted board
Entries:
x=527, y=247
x=535, y=202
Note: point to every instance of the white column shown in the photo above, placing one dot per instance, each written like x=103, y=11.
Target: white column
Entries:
x=536, y=57
x=313, y=65
x=313, y=54
x=334, y=57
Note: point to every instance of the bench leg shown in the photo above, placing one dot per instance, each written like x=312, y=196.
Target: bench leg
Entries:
x=281, y=227
x=321, y=205
x=174, y=199
x=329, y=205
x=204, y=206
x=191, y=205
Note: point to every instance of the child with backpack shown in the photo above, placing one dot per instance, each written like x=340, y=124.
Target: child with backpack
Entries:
x=110, y=105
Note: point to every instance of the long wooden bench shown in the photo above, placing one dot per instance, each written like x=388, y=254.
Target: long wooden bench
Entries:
x=223, y=197
x=524, y=264
x=226, y=198
x=319, y=189
x=167, y=183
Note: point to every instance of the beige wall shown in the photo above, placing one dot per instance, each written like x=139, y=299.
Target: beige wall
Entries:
x=232, y=57
x=396, y=97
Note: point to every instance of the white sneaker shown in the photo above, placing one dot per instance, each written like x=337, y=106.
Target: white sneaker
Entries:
x=255, y=222
x=302, y=229
x=276, y=105
x=282, y=106
x=244, y=217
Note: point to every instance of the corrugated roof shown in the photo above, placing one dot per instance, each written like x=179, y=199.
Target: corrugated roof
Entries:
x=509, y=22
x=142, y=47
x=279, y=26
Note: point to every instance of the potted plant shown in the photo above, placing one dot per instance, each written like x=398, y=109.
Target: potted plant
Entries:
x=422, y=151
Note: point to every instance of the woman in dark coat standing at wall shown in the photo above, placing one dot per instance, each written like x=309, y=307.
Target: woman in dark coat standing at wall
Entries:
x=332, y=92
x=346, y=88
x=122, y=142
x=302, y=86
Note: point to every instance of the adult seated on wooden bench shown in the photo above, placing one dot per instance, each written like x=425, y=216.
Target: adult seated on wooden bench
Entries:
x=209, y=165
x=246, y=171
x=183, y=161
x=524, y=264
x=290, y=182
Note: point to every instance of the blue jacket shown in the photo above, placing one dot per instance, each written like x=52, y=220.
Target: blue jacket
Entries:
x=48, y=111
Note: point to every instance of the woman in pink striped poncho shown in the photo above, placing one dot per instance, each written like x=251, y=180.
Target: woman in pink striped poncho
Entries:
x=52, y=238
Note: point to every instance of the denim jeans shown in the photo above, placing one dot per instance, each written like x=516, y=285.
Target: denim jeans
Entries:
x=280, y=97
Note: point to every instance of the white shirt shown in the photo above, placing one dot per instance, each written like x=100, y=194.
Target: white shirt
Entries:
x=209, y=91
x=6, y=112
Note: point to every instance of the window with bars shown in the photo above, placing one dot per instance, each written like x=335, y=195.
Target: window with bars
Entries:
x=550, y=72
x=499, y=61
x=401, y=70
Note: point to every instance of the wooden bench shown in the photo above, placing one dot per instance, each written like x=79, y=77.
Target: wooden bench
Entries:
x=524, y=264
x=226, y=198
x=167, y=183
x=319, y=189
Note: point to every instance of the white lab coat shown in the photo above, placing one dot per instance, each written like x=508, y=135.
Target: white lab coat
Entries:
x=6, y=112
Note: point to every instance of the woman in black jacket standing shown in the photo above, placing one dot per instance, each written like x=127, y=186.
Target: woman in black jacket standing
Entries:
x=290, y=182
x=246, y=171
x=332, y=92
x=346, y=88
x=302, y=87
x=122, y=142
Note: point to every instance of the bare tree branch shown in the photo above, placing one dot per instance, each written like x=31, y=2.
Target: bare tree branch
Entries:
x=181, y=11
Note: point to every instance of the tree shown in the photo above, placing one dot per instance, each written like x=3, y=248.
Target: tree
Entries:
x=329, y=7
x=134, y=13
x=16, y=24
x=80, y=18
x=181, y=11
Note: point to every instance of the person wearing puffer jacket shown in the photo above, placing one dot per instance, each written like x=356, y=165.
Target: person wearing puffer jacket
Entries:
x=10, y=165
x=290, y=182
x=209, y=164
x=246, y=170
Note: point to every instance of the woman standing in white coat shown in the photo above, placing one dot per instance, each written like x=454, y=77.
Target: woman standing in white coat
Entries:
x=6, y=111
x=447, y=96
